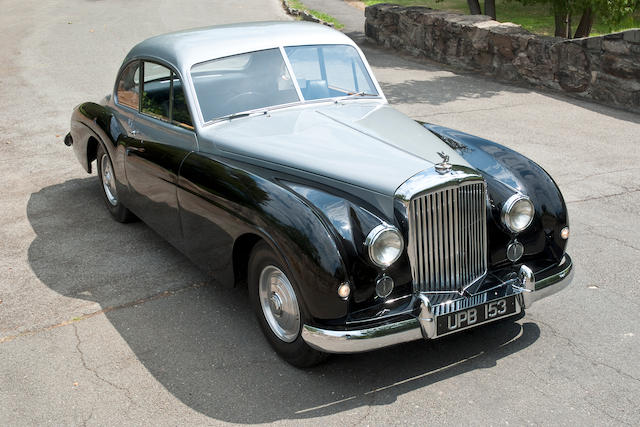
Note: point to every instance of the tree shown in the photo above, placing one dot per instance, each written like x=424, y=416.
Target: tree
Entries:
x=610, y=12
x=474, y=7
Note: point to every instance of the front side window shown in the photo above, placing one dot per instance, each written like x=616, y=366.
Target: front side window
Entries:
x=162, y=93
x=328, y=71
x=179, y=111
x=244, y=82
x=156, y=91
x=128, y=91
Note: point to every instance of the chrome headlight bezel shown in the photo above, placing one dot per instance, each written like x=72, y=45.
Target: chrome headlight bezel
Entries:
x=507, y=210
x=374, y=238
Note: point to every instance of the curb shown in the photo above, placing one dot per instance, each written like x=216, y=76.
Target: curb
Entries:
x=306, y=16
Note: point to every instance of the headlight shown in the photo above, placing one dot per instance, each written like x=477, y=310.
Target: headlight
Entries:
x=517, y=213
x=385, y=245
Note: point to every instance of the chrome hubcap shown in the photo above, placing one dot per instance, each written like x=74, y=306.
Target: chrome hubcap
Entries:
x=108, y=180
x=279, y=303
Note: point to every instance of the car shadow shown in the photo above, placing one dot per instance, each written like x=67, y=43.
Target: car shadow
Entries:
x=199, y=339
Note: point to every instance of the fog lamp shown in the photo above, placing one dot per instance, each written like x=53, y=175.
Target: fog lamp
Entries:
x=564, y=233
x=344, y=290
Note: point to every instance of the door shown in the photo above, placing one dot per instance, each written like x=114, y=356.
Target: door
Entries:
x=161, y=137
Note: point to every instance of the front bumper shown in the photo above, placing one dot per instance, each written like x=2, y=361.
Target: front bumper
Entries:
x=526, y=288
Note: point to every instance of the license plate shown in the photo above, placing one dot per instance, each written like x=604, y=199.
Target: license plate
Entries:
x=477, y=315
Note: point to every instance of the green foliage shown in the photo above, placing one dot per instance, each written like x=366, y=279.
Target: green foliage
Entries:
x=615, y=12
x=536, y=16
x=297, y=4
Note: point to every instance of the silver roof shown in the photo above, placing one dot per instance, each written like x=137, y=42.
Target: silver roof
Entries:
x=182, y=49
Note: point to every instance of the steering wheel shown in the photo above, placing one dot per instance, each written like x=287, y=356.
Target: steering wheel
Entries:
x=244, y=99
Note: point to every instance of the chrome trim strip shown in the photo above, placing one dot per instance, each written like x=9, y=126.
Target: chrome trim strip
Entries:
x=362, y=339
x=429, y=181
x=367, y=339
x=292, y=75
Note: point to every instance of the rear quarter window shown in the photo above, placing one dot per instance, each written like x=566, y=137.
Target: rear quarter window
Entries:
x=128, y=91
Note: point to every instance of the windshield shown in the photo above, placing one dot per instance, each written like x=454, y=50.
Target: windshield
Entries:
x=329, y=71
x=261, y=79
x=242, y=82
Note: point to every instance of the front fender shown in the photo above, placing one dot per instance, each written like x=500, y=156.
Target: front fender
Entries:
x=507, y=172
x=221, y=201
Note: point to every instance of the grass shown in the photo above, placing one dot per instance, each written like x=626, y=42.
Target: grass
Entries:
x=297, y=4
x=536, y=18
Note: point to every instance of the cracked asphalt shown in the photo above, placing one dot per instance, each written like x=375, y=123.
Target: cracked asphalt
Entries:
x=106, y=324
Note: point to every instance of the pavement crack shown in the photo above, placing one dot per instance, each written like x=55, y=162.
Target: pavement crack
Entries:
x=607, y=196
x=593, y=175
x=139, y=301
x=576, y=350
x=367, y=413
x=95, y=372
x=609, y=237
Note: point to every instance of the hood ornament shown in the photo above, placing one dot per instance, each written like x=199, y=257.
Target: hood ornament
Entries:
x=444, y=166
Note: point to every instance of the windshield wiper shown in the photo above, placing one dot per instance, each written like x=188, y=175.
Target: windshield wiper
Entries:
x=237, y=115
x=362, y=93
x=234, y=116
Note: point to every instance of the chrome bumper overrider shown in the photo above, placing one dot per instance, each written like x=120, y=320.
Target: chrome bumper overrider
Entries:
x=423, y=325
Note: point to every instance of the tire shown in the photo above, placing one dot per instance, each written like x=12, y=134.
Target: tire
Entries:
x=107, y=179
x=276, y=304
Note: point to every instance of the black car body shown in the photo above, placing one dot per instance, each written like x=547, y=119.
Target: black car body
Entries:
x=355, y=226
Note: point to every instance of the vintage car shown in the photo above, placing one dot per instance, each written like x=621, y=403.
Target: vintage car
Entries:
x=268, y=154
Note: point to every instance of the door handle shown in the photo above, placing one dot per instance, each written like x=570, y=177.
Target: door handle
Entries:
x=134, y=132
x=138, y=149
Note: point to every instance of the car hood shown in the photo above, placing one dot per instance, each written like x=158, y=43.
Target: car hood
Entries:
x=367, y=144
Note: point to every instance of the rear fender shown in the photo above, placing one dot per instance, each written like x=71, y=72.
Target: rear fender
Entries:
x=91, y=124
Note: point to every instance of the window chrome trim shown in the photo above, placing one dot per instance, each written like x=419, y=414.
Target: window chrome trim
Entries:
x=119, y=77
x=292, y=75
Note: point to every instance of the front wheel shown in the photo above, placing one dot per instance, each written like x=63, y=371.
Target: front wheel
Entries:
x=278, y=309
x=108, y=185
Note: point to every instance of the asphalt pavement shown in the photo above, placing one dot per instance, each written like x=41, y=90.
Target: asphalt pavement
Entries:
x=106, y=324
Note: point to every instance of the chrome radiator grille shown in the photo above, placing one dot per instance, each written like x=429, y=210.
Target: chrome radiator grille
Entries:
x=448, y=237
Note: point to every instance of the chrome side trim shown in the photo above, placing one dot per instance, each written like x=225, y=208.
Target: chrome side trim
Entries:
x=359, y=340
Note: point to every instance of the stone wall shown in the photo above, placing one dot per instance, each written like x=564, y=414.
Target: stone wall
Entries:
x=605, y=68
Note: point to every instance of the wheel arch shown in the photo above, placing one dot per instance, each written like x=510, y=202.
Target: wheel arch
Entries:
x=92, y=150
x=91, y=124
x=234, y=205
x=241, y=253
